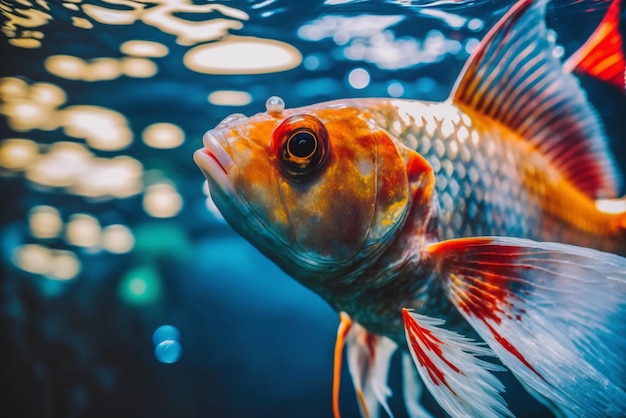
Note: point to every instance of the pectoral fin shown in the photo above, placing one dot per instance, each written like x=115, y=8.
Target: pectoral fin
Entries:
x=369, y=356
x=451, y=369
x=555, y=315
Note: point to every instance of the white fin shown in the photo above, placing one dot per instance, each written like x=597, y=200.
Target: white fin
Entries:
x=451, y=369
x=555, y=315
x=369, y=356
x=412, y=387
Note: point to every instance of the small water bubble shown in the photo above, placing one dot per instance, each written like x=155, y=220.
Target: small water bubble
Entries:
x=168, y=351
x=164, y=333
x=274, y=105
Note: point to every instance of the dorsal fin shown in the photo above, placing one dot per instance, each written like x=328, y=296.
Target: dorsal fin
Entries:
x=514, y=78
x=602, y=56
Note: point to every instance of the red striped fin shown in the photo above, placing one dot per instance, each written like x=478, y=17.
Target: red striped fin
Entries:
x=555, y=315
x=602, y=56
x=451, y=369
x=515, y=79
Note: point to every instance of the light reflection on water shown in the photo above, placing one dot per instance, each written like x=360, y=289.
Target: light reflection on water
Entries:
x=110, y=231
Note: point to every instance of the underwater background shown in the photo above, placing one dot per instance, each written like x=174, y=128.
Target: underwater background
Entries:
x=123, y=293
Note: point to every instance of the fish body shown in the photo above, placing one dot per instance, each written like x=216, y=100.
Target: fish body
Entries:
x=426, y=223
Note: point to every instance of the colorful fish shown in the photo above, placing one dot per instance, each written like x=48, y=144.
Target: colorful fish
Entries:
x=430, y=225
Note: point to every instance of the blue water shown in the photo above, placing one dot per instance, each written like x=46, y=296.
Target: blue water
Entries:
x=99, y=253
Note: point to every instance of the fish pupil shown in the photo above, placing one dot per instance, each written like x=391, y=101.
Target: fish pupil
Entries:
x=302, y=144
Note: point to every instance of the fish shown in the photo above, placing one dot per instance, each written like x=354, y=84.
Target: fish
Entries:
x=477, y=235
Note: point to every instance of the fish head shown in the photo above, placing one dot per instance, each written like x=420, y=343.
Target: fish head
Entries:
x=317, y=190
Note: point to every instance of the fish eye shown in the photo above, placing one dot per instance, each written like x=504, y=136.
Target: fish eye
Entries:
x=300, y=142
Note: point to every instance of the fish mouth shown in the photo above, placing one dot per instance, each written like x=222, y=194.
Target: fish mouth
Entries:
x=214, y=161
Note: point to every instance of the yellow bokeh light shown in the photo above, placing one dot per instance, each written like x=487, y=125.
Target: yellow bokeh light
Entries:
x=98, y=69
x=54, y=264
x=113, y=16
x=61, y=166
x=17, y=154
x=32, y=258
x=145, y=49
x=25, y=115
x=102, y=128
x=45, y=222
x=28, y=43
x=66, y=66
x=12, y=88
x=161, y=200
x=117, y=239
x=65, y=265
x=243, y=55
x=118, y=177
x=102, y=69
x=230, y=98
x=47, y=93
x=138, y=67
x=163, y=135
x=83, y=230
x=82, y=23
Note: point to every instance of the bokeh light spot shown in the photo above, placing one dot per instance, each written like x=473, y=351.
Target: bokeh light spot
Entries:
x=65, y=265
x=230, y=98
x=146, y=49
x=118, y=177
x=12, y=88
x=359, y=78
x=243, y=55
x=32, y=258
x=82, y=23
x=138, y=67
x=83, y=230
x=117, y=239
x=44, y=222
x=47, y=93
x=17, y=154
x=66, y=66
x=395, y=89
x=61, y=166
x=103, y=69
x=102, y=128
x=140, y=285
x=162, y=201
x=163, y=136
x=28, y=43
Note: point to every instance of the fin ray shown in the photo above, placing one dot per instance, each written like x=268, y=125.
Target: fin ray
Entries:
x=515, y=79
x=451, y=369
x=369, y=356
x=555, y=314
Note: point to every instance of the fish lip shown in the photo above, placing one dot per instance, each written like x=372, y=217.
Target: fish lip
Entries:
x=214, y=161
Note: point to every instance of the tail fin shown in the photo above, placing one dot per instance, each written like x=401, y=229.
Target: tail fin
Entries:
x=602, y=56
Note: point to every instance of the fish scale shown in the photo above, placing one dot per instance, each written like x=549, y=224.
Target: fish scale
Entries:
x=477, y=173
x=480, y=168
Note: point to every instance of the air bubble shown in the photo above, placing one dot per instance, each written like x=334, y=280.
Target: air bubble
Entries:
x=274, y=105
x=168, y=351
x=165, y=332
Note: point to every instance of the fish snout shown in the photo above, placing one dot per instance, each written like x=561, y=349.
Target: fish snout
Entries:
x=213, y=159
